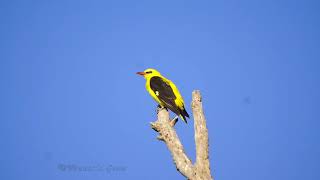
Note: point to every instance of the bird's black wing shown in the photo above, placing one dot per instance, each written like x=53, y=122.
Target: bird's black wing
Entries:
x=165, y=93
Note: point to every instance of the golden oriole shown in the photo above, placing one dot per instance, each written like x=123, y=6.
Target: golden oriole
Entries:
x=164, y=92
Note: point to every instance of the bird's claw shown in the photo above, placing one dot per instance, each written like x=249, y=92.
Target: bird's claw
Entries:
x=158, y=108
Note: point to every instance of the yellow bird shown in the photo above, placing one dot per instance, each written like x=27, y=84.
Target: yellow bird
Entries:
x=164, y=92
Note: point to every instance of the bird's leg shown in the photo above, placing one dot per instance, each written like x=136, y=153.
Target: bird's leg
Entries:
x=159, y=107
x=174, y=121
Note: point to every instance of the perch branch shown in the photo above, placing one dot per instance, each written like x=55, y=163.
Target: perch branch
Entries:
x=165, y=127
x=168, y=134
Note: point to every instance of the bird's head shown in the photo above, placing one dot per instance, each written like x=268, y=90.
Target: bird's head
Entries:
x=149, y=73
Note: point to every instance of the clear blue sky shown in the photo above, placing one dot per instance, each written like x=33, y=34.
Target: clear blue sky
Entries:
x=70, y=95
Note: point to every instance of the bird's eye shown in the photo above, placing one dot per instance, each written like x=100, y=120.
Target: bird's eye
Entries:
x=149, y=72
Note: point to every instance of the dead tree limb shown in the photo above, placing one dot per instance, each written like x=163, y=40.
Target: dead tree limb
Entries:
x=165, y=127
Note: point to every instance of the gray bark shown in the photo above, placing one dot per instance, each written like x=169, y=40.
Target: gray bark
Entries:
x=200, y=170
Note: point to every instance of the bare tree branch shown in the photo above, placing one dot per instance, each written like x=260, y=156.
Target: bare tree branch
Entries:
x=167, y=133
x=201, y=137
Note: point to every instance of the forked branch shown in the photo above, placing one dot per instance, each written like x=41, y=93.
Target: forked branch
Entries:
x=201, y=168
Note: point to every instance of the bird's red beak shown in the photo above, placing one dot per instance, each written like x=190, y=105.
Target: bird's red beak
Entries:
x=141, y=73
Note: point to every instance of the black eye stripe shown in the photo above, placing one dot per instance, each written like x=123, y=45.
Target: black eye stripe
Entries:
x=148, y=72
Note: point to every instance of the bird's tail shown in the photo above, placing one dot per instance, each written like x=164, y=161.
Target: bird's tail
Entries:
x=184, y=114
